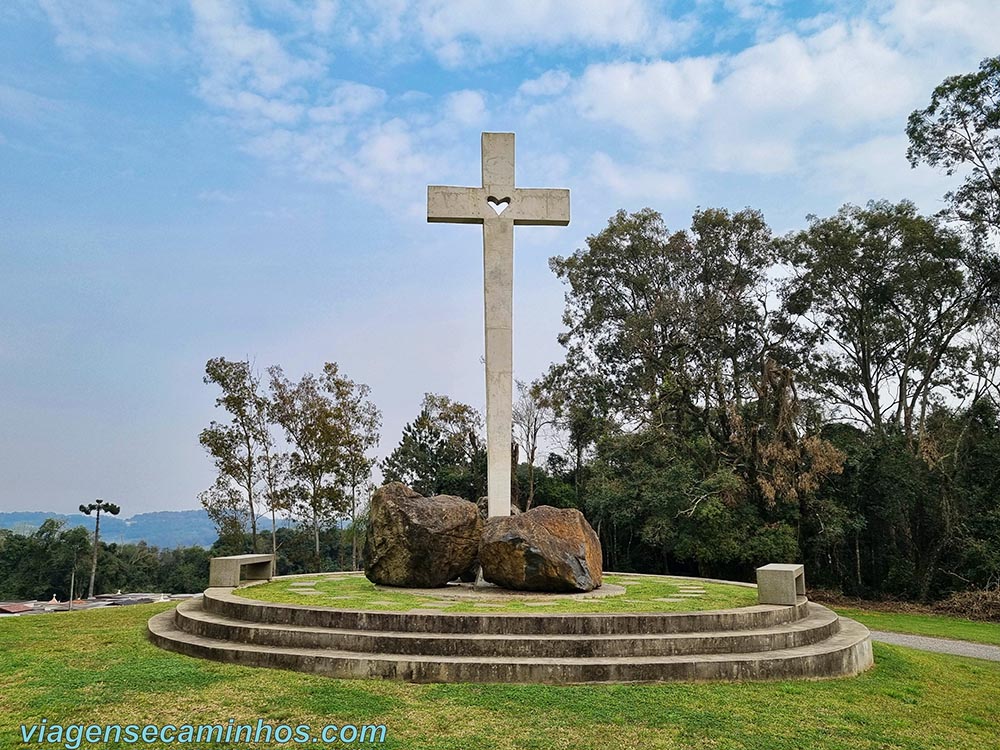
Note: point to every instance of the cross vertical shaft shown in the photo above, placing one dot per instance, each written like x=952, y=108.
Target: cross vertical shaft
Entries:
x=498, y=293
x=498, y=205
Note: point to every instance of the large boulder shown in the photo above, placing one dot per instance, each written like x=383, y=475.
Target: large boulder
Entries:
x=419, y=542
x=543, y=549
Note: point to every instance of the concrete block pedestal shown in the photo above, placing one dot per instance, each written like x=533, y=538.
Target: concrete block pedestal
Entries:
x=780, y=583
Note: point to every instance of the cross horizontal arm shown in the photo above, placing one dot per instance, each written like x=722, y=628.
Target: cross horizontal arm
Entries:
x=539, y=207
x=457, y=205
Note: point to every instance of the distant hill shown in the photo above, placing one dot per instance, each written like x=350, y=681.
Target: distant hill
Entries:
x=167, y=528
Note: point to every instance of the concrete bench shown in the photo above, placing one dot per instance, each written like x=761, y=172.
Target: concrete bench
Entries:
x=226, y=571
x=780, y=583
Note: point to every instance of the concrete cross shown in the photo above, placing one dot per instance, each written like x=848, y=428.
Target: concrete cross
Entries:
x=498, y=206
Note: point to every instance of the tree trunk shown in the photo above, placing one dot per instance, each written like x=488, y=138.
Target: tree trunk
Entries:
x=531, y=479
x=93, y=562
x=354, y=527
x=857, y=561
x=316, y=540
x=515, y=487
x=274, y=541
x=253, y=519
x=250, y=485
x=341, y=562
x=576, y=472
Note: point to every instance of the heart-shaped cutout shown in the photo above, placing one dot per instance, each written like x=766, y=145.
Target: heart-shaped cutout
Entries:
x=498, y=204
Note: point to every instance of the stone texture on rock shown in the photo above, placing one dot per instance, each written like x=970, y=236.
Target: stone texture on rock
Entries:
x=419, y=542
x=543, y=549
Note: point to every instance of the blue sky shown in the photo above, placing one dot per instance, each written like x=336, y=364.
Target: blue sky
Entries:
x=183, y=180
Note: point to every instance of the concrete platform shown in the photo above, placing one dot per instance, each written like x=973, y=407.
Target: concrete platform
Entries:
x=804, y=640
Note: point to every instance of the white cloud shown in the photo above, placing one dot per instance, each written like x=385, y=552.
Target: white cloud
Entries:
x=789, y=103
x=970, y=25
x=347, y=101
x=764, y=110
x=550, y=83
x=843, y=75
x=323, y=16
x=253, y=106
x=752, y=153
x=764, y=17
x=467, y=108
x=462, y=32
x=19, y=104
x=752, y=10
x=474, y=31
x=275, y=89
x=143, y=33
x=649, y=99
x=239, y=54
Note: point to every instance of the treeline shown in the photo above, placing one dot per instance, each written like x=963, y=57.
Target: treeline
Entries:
x=53, y=559
x=48, y=561
x=829, y=396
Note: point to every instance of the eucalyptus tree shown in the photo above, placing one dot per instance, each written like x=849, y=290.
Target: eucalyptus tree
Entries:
x=681, y=331
x=329, y=422
x=97, y=507
x=226, y=509
x=238, y=446
x=675, y=324
x=960, y=130
x=888, y=298
x=276, y=486
x=362, y=421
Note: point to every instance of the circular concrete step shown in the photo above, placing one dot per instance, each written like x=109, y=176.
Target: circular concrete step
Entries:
x=222, y=601
x=819, y=624
x=846, y=652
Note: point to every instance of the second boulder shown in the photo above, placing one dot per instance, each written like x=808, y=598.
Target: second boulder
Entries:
x=544, y=549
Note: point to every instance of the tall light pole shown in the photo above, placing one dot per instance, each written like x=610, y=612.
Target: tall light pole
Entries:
x=96, y=507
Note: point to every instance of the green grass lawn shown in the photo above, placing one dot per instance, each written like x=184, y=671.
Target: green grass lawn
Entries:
x=938, y=626
x=357, y=592
x=97, y=667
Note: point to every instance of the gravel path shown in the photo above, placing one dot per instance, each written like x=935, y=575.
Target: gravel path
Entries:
x=939, y=645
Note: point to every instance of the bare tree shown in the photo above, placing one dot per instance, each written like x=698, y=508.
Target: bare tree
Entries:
x=532, y=414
